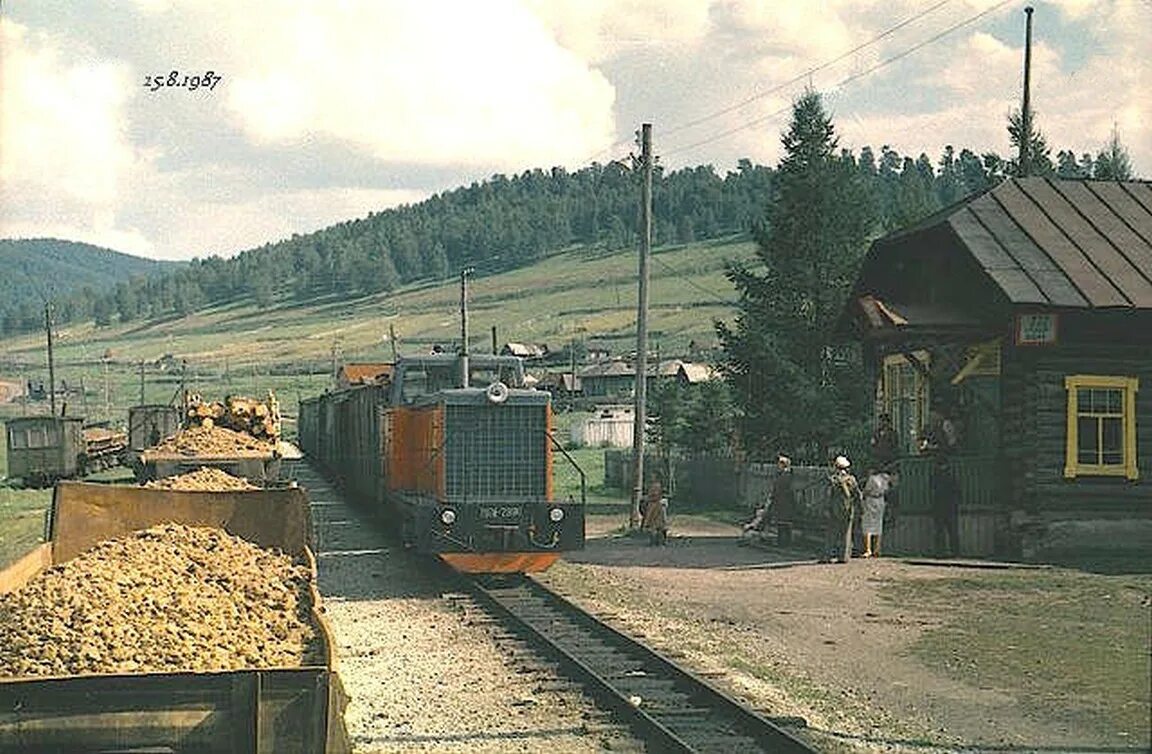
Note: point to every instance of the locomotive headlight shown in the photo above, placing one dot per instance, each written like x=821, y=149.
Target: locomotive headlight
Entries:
x=556, y=514
x=448, y=517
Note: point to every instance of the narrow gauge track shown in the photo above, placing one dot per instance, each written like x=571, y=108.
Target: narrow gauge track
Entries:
x=669, y=707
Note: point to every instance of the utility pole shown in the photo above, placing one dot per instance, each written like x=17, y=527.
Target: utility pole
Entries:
x=392, y=340
x=1026, y=113
x=107, y=394
x=464, y=368
x=495, y=349
x=640, y=419
x=51, y=362
x=142, y=381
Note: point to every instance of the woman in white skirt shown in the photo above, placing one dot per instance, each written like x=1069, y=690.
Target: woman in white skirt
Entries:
x=872, y=516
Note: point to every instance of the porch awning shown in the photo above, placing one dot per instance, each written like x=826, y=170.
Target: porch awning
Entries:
x=877, y=320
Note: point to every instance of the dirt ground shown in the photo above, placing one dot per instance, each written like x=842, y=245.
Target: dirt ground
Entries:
x=884, y=654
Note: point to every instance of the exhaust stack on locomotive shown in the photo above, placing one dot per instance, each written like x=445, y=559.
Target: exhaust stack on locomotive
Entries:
x=465, y=472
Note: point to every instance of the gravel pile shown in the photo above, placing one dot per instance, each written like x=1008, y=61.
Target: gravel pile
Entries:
x=203, y=479
x=213, y=441
x=169, y=598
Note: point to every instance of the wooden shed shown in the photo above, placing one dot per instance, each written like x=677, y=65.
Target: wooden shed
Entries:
x=1024, y=313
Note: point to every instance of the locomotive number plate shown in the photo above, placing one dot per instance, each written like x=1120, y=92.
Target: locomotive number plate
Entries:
x=499, y=512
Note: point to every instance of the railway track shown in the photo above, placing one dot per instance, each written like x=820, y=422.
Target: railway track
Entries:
x=670, y=708
x=664, y=707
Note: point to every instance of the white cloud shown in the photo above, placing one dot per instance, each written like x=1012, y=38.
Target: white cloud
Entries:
x=65, y=154
x=445, y=82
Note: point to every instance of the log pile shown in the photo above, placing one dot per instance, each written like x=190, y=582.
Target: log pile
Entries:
x=203, y=479
x=212, y=441
x=165, y=599
x=260, y=419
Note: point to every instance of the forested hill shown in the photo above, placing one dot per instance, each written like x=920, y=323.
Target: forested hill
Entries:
x=35, y=269
x=508, y=222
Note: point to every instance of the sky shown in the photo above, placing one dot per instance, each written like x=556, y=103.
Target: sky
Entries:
x=320, y=113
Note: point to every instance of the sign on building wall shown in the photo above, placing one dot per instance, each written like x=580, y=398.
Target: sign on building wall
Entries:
x=1036, y=329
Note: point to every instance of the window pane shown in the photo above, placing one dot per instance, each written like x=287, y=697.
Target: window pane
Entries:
x=1115, y=401
x=1112, y=441
x=1087, y=440
x=1084, y=400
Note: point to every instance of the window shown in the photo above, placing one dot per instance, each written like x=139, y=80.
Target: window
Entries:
x=905, y=397
x=1101, y=426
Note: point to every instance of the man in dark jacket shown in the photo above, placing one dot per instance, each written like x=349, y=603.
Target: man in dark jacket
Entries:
x=782, y=501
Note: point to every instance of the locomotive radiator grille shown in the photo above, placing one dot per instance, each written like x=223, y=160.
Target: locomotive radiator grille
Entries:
x=495, y=452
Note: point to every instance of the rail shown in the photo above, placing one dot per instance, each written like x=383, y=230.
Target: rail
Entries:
x=671, y=708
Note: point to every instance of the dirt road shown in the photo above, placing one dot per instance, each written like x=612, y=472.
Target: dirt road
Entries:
x=883, y=655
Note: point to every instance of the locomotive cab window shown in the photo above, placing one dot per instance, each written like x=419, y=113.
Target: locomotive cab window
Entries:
x=1101, y=436
x=18, y=438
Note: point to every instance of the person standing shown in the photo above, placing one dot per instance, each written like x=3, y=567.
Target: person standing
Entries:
x=876, y=488
x=939, y=443
x=884, y=442
x=655, y=519
x=843, y=500
x=782, y=501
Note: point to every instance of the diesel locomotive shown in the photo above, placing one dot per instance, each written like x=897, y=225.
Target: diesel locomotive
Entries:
x=458, y=452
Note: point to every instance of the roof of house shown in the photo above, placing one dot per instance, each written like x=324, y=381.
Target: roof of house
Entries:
x=608, y=369
x=695, y=372
x=524, y=350
x=356, y=373
x=1066, y=243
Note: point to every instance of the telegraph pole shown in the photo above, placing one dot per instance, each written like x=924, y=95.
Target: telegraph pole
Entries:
x=51, y=361
x=464, y=368
x=1026, y=114
x=142, y=380
x=640, y=419
x=392, y=340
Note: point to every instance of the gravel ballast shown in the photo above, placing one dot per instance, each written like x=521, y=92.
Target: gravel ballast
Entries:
x=421, y=674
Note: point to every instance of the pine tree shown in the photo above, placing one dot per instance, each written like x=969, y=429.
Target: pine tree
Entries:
x=778, y=358
x=1039, y=153
x=1113, y=162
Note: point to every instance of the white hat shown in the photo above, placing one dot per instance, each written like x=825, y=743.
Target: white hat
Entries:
x=842, y=462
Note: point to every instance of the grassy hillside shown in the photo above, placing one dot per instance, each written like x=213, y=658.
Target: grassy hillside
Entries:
x=580, y=294
x=52, y=267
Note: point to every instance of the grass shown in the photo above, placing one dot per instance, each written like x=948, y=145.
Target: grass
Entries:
x=1059, y=641
x=21, y=521
x=289, y=347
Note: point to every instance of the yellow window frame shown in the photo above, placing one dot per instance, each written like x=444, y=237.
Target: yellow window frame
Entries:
x=1127, y=467
x=904, y=387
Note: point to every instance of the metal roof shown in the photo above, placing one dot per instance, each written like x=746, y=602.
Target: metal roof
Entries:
x=1068, y=243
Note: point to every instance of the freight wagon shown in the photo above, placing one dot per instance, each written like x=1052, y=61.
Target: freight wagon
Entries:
x=42, y=449
x=459, y=455
x=286, y=709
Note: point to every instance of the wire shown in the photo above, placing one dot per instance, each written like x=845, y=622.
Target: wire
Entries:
x=716, y=298
x=882, y=64
x=827, y=64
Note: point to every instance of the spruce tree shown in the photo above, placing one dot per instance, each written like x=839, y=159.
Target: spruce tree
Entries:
x=791, y=383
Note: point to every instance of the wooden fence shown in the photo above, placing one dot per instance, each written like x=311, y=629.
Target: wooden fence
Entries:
x=717, y=482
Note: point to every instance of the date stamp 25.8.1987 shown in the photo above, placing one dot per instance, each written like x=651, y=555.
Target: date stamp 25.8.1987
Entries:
x=175, y=80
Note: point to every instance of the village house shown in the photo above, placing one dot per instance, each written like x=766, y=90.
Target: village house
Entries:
x=1024, y=314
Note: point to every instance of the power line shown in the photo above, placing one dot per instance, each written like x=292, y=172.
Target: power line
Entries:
x=882, y=64
x=715, y=297
x=806, y=74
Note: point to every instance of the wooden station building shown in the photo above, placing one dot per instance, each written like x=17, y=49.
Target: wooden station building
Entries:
x=1024, y=313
